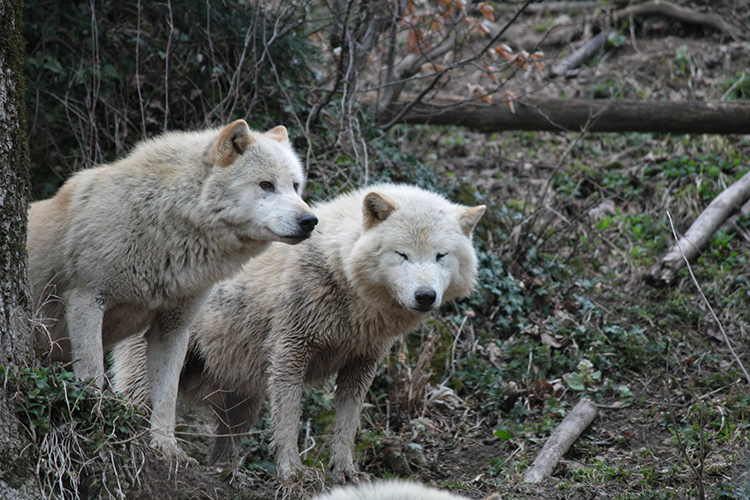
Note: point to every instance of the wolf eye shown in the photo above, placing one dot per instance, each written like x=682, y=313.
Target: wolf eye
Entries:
x=403, y=255
x=296, y=186
x=267, y=186
x=440, y=256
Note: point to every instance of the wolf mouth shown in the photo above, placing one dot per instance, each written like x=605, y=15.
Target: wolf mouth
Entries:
x=295, y=238
x=423, y=309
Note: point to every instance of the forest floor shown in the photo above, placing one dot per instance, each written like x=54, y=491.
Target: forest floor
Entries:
x=562, y=311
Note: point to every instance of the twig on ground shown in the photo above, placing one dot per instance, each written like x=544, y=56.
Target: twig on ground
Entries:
x=582, y=54
x=572, y=426
x=708, y=304
x=690, y=245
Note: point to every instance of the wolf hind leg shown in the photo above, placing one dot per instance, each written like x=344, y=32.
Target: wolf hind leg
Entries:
x=235, y=416
x=128, y=374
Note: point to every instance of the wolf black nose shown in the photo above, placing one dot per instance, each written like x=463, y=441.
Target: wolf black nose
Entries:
x=307, y=222
x=425, y=298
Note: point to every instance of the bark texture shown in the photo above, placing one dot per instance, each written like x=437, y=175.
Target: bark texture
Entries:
x=16, y=474
x=596, y=115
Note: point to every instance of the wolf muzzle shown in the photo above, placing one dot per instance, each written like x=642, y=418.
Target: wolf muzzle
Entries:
x=425, y=299
x=307, y=222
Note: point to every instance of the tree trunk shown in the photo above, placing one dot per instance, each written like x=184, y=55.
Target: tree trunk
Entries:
x=17, y=480
x=597, y=115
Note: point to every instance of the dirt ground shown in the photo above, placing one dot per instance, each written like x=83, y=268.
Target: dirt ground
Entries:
x=629, y=451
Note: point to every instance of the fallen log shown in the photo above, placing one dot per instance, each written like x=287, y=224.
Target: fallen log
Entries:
x=595, y=115
x=560, y=441
x=668, y=9
x=549, y=7
x=700, y=233
x=581, y=55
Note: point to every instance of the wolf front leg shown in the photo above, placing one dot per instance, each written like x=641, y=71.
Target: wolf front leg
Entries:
x=352, y=383
x=85, y=313
x=285, y=384
x=167, y=345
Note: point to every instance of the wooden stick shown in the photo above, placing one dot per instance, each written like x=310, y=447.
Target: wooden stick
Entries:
x=700, y=233
x=561, y=440
x=581, y=55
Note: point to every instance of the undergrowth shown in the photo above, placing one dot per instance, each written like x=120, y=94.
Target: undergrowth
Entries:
x=87, y=442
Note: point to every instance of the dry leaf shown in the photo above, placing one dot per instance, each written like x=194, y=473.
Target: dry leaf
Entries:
x=479, y=93
x=508, y=99
x=504, y=51
x=487, y=10
x=549, y=340
x=495, y=353
x=483, y=29
x=413, y=38
x=431, y=66
x=491, y=73
x=523, y=59
x=536, y=60
x=317, y=37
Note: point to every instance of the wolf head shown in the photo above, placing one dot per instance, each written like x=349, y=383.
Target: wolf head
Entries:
x=254, y=185
x=416, y=246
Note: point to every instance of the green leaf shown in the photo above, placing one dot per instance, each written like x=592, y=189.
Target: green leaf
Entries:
x=503, y=434
x=575, y=382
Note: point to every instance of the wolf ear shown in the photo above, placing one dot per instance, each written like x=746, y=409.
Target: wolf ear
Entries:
x=376, y=208
x=469, y=217
x=278, y=134
x=233, y=140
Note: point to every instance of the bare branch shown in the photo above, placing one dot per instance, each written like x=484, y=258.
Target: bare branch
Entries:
x=572, y=426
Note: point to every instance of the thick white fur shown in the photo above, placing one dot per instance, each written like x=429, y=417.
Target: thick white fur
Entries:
x=331, y=305
x=136, y=245
x=392, y=490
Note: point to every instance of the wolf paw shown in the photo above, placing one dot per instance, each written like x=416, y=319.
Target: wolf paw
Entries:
x=288, y=468
x=348, y=475
x=170, y=449
x=302, y=479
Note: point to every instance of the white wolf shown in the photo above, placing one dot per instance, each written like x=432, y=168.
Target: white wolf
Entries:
x=382, y=258
x=393, y=490
x=136, y=245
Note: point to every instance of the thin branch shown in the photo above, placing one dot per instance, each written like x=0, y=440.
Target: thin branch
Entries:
x=705, y=300
x=166, y=65
x=414, y=67
x=137, y=71
x=97, y=80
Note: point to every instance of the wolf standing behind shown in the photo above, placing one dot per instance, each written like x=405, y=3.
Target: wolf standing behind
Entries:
x=382, y=258
x=136, y=245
